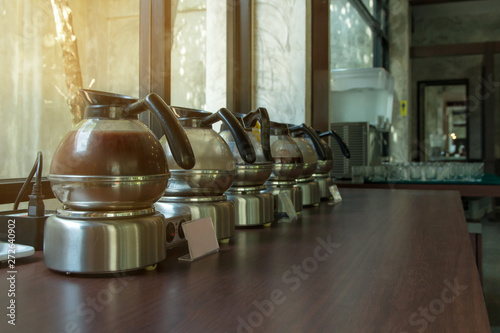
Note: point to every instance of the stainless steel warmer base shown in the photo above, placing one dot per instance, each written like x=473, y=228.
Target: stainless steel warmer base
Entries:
x=252, y=208
x=310, y=192
x=324, y=182
x=218, y=208
x=103, y=244
x=295, y=193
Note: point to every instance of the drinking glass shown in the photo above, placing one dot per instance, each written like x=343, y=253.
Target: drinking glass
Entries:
x=379, y=173
x=392, y=173
x=430, y=172
x=478, y=171
x=415, y=172
x=358, y=174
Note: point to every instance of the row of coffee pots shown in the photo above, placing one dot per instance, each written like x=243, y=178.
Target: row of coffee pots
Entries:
x=115, y=178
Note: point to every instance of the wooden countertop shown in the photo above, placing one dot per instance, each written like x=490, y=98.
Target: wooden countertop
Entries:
x=380, y=261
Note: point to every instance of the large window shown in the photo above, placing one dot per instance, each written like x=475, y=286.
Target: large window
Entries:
x=358, y=34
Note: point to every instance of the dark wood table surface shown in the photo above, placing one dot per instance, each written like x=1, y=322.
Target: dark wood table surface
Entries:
x=380, y=261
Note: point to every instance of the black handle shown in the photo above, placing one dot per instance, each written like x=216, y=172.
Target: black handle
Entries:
x=320, y=149
x=340, y=141
x=240, y=136
x=175, y=134
x=262, y=116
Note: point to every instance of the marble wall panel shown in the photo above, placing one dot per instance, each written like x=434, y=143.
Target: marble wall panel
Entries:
x=280, y=59
x=456, y=29
x=399, y=60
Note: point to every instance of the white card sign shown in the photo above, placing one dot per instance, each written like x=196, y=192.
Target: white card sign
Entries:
x=287, y=206
x=201, y=238
x=335, y=193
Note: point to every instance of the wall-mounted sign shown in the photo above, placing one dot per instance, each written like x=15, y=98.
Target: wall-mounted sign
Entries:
x=403, y=108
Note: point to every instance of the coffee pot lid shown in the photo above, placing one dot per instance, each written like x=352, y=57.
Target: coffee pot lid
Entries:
x=183, y=112
x=95, y=98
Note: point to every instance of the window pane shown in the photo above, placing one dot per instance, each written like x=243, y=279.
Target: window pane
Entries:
x=351, y=40
x=35, y=75
x=198, y=70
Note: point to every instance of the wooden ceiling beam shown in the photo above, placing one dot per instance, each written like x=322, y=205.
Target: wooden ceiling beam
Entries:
x=453, y=49
x=432, y=2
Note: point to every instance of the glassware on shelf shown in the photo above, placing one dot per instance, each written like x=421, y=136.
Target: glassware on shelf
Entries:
x=425, y=172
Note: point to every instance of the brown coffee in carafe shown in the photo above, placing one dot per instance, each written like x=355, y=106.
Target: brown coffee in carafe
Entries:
x=109, y=153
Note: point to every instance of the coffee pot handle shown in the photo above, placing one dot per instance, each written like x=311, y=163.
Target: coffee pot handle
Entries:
x=175, y=134
x=241, y=138
x=343, y=146
x=262, y=116
x=320, y=149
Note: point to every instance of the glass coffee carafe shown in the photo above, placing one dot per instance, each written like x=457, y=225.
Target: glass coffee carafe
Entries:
x=257, y=126
x=215, y=168
x=112, y=161
x=287, y=158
